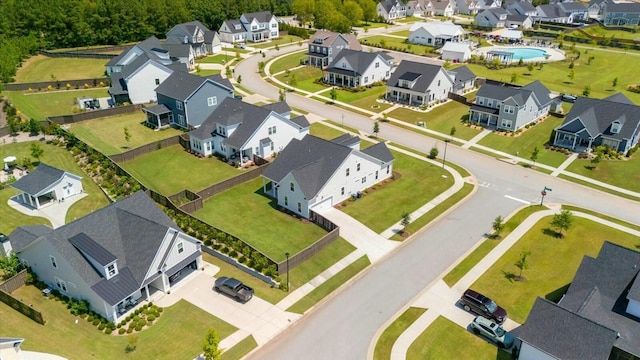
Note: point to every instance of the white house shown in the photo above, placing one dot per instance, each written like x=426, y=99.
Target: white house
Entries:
x=113, y=257
x=491, y=18
x=137, y=82
x=419, y=84
x=467, y=7
x=313, y=174
x=254, y=27
x=239, y=130
x=391, y=9
x=444, y=8
x=435, y=33
x=352, y=68
x=47, y=185
x=456, y=51
x=553, y=13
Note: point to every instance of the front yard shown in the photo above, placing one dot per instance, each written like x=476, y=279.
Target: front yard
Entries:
x=622, y=173
x=172, y=169
x=247, y=213
x=41, y=104
x=305, y=78
x=288, y=62
x=107, y=134
x=441, y=118
x=366, y=100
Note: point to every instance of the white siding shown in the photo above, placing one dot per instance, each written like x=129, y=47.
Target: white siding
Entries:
x=440, y=92
x=142, y=83
x=68, y=186
x=527, y=352
x=633, y=308
x=285, y=132
x=293, y=197
x=189, y=246
x=421, y=36
x=373, y=74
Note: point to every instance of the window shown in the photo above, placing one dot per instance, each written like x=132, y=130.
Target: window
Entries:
x=387, y=169
x=178, y=104
x=53, y=262
x=358, y=167
x=377, y=64
x=111, y=270
x=272, y=146
x=299, y=207
x=506, y=123
x=212, y=101
x=376, y=174
x=157, y=81
x=480, y=101
x=292, y=187
x=508, y=109
x=387, y=74
x=180, y=247
x=272, y=130
x=286, y=201
x=347, y=171
x=366, y=79
x=60, y=284
x=364, y=179
x=342, y=191
x=438, y=82
x=181, y=119
x=274, y=25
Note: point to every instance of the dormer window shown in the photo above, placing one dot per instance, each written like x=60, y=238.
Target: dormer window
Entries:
x=615, y=127
x=180, y=247
x=112, y=270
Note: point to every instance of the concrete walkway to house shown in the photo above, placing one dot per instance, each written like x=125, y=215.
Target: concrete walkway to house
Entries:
x=55, y=212
x=476, y=138
x=564, y=165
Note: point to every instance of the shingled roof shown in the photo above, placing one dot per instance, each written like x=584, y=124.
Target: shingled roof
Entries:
x=40, y=179
x=180, y=85
x=426, y=74
x=358, y=60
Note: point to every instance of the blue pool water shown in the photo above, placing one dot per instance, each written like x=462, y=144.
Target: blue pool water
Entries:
x=526, y=53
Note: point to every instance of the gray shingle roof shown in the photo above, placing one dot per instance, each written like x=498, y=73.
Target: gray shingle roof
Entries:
x=92, y=249
x=526, y=6
x=177, y=50
x=541, y=92
x=346, y=140
x=326, y=38
x=574, y=6
x=519, y=94
x=180, y=85
x=157, y=109
x=428, y=73
x=39, y=179
x=231, y=26
x=379, y=151
x=301, y=121
x=25, y=235
x=117, y=84
x=280, y=107
x=462, y=74
x=634, y=291
x=209, y=36
x=624, y=7
x=619, y=97
x=262, y=16
x=359, y=60
x=118, y=287
x=551, y=11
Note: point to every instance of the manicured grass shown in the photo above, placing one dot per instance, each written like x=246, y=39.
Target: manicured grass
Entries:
x=246, y=212
x=444, y=339
x=462, y=171
x=597, y=187
x=481, y=251
x=41, y=68
x=39, y=105
x=606, y=33
x=325, y=132
x=288, y=62
x=372, y=25
x=182, y=321
x=107, y=134
x=422, y=221
x=239, y=350
x=305, y=78
x=363, y=99
x=441, y=119
x=409, y=19
x=552, y=263
x=418, y=184
x=397, y=43
x=524, y=144
x=167, y=170
x=621, y=173
x=57, y=157
x=347, y=128
x=215, y=59
x=207, y=72
x=602, y=216
x=283, y=40
x=329, y=286
x=392, y=332
x=233, y=50
x=403, y=33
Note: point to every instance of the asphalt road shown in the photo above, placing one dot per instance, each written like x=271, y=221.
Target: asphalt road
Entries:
x=343, y=326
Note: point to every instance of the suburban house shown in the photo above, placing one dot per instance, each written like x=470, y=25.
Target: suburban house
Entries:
x=112, y=257
x=419, y=8
x=553, y=13
x=325, y=45
x=419, y=84
x=186, y=100
x=184, y=53
x=522, y=7
x=313, y=174
x=391, y=9
x=464, y=79
x=254, y=27
x=596, y=8
x=577, y=9
x=621, y=13
x=444, y=8
x=511, y=108
x=597, y=318
x=239, y=130
x=353, y=68
x=435, y=33
x=46, y=185
x=612, y=122
x=520, y=21
x=491, y=18
x=489, y=4
x=467, y=7
x=152, y=47
x=191, y=33
x=456, y=51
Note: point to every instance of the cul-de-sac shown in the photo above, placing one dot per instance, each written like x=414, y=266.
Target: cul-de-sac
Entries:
x=320, y=179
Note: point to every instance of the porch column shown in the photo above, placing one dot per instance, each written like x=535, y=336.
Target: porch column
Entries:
x=37, y=202
x=30, y=200
x=146, y=288
x=555, y=139
x=574, y=141
x=409, y=98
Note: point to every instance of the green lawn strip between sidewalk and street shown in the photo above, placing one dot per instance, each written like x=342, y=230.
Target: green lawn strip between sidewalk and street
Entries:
x=602, y=216
x=327, y=287
x=462, y=171
x=597, y=187
x=441, y=119
x=419, y=131
x=346, y=127
x=41, y=104
x=389, y=336
x=620, y=173
x=239, y=350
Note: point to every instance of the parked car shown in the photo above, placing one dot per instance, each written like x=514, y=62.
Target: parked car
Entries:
x=474, y=301
x=492, y=331
x=568, y=98
x=234, y=288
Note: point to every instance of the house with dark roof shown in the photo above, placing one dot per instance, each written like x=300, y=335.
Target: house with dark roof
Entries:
x=47, y=185
x=463, y=78
x=522, y=7
x=325, y=45
x=419, y=84
x=391, y=9
x=353, y=68
x=467, y=7
x=612, y=122
x=254, y=27
x=186, y=100
x=491, y=17
x=313, y=174
x=113, y=257
x=553, y=13
x=577, y=9
x=193, y=33
x=597, y=318
x=239, y=130
x=620, y=13
x=419, y=8
x=510, y=107
x=444, y=8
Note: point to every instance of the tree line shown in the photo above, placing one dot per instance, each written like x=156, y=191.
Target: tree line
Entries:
x=335, y=15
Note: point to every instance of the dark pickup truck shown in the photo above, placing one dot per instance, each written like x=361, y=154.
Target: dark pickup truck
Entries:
x=234, y=288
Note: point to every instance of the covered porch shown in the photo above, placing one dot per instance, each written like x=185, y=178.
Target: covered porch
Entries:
x=342, y=78
x=158, y=116
x=406, y=97
x=505, y=57
x=483, y=115
x=258, y=36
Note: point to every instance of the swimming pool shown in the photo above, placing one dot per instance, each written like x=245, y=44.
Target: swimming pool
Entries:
x=525, y=53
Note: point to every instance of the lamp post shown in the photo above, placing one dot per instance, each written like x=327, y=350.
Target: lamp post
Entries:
x=287, y=255
x=444, y=157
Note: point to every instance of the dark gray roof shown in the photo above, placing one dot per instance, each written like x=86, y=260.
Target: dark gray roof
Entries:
x=379, y=151
x=634, y=291
x=358, y=60
x=409, y=76
x=551, y=11
x=462, y=74
x=118, y=86
x=178, y=66
x=157, y=109
x=543, y=95
x=428, y=72
x=619, y=97
x=346, y=140
x=280, y=107
x=177, y=50
x=39, y=179
x=209, y=36
x=624, y=7
x=118, y=287
x=262, y=16
x=574, y=6
x=231, y=25
x=526, y=6
x=134, y=65
x=497, y=11
x=266, y=140
x=387, y=5
x=301, y=121
x=25, y=235
x=180, y=85
x=517, y=17
x=114, y=60
x=217, y=78
x=565, y=335
x=92, y=249
x=502, y=93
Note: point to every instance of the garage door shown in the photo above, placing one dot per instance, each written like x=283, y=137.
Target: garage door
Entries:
x=323, y=205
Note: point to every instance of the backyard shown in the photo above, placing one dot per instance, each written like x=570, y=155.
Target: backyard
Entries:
x=41, y=104
x=396, y=43
x=622, y=173
x=172, y=169
x=246, y=212
x=107, y=134
x=41, y=68
x=441, y=118
x=81, y=340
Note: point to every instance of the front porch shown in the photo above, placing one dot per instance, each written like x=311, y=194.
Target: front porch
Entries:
x=259, y=36
x=407, y=98
x=484, y=116
x=158, y=116
x=342, y=80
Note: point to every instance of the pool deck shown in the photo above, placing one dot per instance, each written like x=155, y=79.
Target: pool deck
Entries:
x=554, y=53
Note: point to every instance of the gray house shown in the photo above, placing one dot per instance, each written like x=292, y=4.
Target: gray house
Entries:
x=191, y=33
x=186, y=100
x=612, y=122
x=491, y=18
x=113, y=257
x=352, y=68
x=623, y=13
x=510, y=107
x=419, y=84
x=324, y=45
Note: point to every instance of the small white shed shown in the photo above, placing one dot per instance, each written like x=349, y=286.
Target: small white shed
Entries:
x=456, y=51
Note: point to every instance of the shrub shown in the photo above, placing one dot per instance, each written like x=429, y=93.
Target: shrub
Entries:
x=102, y=327
x=433, y=153
x=90, y=318
x=108, y=331
x=138, y=328
x=96, y=322
x=151, y=318
x=142, y=322
x=129, y=330
x=122, y=331
x=136, y=318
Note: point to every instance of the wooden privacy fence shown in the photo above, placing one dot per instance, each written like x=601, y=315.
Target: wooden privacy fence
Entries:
x=145, y=149
x=15, y=282
x=309, y=251
x=58, y=84
x=9, y=286
x=94, y=114
x=229, y=183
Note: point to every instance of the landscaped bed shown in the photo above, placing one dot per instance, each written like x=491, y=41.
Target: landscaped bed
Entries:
x=172, y=169
x=41, y=104
x=107, y=134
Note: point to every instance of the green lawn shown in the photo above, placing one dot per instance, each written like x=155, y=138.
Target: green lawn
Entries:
x=524, y=143
x=216, y=59
x=603, y=32
x=107, y=134
x=552, y=264
x=239, y=350
x=325, y=132
x=168, y=170
x=372, y=25
x=283, y=40
x=81, y=341
x=288, y=62
x=388, y=338
x=403, y=33
x=462, y=171
x=441, y=119
x=444, y=339
x=41, y=68
x=418, y=184
x=363, y=99
x=59, y=158
x=602, y=216
x=39, y=105
x=207, y=72
x=397, y=43
x=246, y=212
x=622, y=173
x=305, y=78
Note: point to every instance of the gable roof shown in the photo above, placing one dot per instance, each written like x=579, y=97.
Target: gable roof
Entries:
x=456, y=47
x=262, y=16
x=426, y=71
x=461, y=75
x=440, y=5
x=542, y=93
x=526, y=6
x=359, y=60
x=519, y=94
x=280, y=107
x=379, y=151
x=180, y=85
x=624, y=7
x=25, y=235
x=233, y=26
x=439, y=28
x=326, y=38
x=573, y=6
x=620, y=98
x=39, y=179
x=551, y=11
x=209, y=36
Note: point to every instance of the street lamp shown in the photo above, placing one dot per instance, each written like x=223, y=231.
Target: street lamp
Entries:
x=444, y=157
x=287, y=255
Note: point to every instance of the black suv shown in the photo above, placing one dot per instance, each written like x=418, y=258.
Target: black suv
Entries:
x=482, y=305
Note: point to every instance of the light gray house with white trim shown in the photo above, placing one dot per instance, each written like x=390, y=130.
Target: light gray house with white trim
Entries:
x=419, y=84
x=325, y=45
x=47, y=185
x=353, y=68
x=621, y=13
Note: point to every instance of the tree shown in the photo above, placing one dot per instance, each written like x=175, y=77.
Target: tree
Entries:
x=352, y=11
x=277, y=47
x=514, y=78
x=239, y=79
x=368, y=10
x=530, y=67
x=586, y=91
x=293, y=81
x=406, y=220
x=10, y=264
x=534, y=155
x=614, y=83
x=36, y=150
x=596, y=160
x=211, y=345
x=14, y=124
x=498, y=226
x=198, y=69
x=304, y=10
x=571, y=75
x=376, y=128
x=282, y=95
x=452, y=132
x=261, y=67
x=333, y=93
x=562, y=221
x=522, y=263
x=127, y=134
x=34, y=127
x=385, y=117
x=433, y=153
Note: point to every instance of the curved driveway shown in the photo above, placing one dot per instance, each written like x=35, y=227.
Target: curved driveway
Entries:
x=343, y=325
